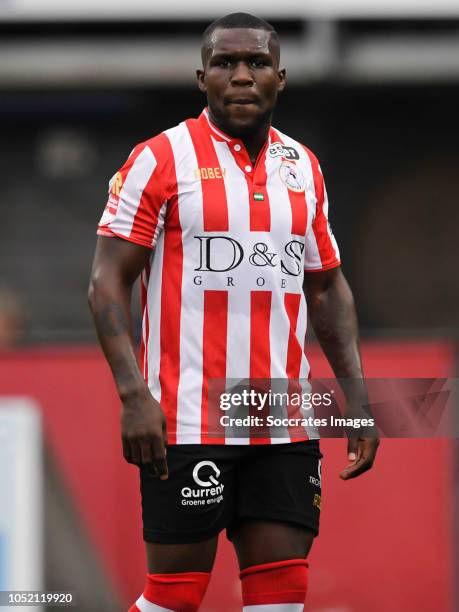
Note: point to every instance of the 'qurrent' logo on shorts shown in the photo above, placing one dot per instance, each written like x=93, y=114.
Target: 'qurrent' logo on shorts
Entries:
x=209, y=490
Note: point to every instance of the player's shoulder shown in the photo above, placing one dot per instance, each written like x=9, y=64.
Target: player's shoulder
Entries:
x=296, y=148
x=160, y=145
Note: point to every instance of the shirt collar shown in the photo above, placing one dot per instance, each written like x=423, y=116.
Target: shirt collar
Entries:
x=217, y=133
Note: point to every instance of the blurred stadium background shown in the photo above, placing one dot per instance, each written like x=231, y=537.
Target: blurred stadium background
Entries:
x=373, y=89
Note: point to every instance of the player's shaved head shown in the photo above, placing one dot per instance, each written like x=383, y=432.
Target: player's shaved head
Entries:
x=238, y=20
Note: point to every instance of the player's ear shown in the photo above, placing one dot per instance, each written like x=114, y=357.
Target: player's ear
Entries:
x=282, y=80
x=201, y=81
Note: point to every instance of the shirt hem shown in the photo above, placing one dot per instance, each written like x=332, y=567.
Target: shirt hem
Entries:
x=330, y=266
x=191, y=439
x=110, y=233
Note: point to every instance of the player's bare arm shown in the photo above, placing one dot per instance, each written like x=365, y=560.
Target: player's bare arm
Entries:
x=334, y=320
x=117, y=264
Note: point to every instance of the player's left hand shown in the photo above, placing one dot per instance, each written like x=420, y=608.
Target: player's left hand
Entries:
x=361, y=453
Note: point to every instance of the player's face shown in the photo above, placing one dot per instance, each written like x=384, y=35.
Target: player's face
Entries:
x=241, y=78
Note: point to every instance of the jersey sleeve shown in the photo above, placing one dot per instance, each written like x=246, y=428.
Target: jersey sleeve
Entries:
x=321, y=248
x=137, y=197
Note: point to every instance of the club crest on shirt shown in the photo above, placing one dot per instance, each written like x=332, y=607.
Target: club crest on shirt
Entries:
x=292, y=177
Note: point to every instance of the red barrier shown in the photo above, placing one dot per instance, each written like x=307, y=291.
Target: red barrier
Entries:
x=385, y=542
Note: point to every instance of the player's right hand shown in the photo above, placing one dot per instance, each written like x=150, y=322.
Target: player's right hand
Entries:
x=144, y=434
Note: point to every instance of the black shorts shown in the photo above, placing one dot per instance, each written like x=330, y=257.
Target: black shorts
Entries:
x=213, y=487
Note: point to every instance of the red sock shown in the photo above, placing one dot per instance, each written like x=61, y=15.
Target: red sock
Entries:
x=281, y=582
x=177, y=592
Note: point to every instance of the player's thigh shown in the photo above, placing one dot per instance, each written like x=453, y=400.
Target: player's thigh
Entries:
x=183, y=515
x=278, y=502
x=176, y=558
x=258, y=541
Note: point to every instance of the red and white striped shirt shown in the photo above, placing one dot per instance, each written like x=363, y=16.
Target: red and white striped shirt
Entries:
x=222, y=293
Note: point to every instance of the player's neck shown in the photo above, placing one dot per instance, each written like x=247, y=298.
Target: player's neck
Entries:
x=253, y=141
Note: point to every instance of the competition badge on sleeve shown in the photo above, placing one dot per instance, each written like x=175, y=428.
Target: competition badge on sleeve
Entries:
x=111, y=208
